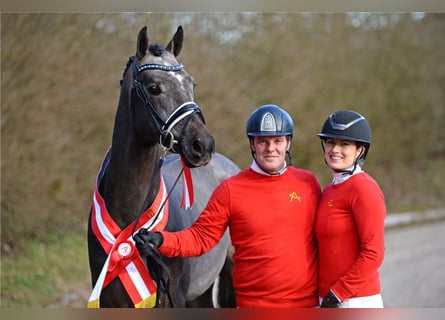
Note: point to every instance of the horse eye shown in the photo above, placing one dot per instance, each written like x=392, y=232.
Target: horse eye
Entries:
x=154, y=90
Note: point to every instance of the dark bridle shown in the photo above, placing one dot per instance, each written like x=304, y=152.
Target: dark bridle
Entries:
x=185, y=111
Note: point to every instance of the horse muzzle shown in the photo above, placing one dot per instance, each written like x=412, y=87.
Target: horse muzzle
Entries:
x=197, y=151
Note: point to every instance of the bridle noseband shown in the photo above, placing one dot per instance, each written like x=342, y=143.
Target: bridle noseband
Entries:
x=166, y=137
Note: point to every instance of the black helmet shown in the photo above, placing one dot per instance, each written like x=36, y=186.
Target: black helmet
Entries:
x=347, y=125
x=269, y=120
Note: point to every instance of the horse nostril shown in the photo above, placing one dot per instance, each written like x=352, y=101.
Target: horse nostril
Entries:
x=197, y=147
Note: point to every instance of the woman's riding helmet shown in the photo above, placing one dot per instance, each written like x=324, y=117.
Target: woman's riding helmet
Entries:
x=348, y=125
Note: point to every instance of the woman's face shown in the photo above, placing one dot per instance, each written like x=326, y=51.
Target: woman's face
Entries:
x=270, y=152
x=341, y=154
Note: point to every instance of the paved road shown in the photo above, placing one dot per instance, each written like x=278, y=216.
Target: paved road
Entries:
x=413, y=272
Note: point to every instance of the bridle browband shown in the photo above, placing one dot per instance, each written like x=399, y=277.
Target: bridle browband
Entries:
x=166, y=137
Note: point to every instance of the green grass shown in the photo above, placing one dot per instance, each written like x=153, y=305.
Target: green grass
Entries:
x=44, y=272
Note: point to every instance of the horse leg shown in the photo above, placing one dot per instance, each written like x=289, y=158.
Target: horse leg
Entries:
x=205, y=300
x=226, y=291
x=221, y=293
x=114, y=295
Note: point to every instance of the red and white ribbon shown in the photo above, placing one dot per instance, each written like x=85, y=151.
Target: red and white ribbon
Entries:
x=187, y=186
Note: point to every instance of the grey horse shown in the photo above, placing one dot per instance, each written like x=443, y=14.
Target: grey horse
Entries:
x=158, y=132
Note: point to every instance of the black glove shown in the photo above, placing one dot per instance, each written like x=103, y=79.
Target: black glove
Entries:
x=330, y=301
x=147, y=241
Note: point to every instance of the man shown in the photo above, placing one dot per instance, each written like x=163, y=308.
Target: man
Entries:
x=270, y=211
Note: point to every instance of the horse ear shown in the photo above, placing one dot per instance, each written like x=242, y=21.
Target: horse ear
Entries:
x=142, y=44
x=175, y=44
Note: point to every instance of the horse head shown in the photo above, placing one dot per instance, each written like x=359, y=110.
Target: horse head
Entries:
x=161, y=101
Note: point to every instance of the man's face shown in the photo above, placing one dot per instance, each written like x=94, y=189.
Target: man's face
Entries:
x=270, y=152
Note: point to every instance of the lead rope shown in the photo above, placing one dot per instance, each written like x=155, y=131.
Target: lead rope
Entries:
x=162, y=285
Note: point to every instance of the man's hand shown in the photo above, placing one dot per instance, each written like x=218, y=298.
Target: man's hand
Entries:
x=147, y=241
x=330, y=301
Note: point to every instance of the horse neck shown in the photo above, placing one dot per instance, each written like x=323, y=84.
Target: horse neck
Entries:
x=133, y=165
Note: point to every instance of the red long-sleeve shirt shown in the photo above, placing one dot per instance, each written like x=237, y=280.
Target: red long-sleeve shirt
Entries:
x=350, y=235
x=271, y=221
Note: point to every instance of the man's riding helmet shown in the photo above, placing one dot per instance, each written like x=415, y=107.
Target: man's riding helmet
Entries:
x=269, y=120
x=348, y=125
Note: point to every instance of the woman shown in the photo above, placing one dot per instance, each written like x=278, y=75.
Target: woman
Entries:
x=350, y=218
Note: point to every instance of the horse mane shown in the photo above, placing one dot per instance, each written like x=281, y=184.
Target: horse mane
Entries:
x=129, y=62
x=156, y=49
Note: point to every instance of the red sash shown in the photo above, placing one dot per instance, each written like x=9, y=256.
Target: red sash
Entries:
x=123, y=259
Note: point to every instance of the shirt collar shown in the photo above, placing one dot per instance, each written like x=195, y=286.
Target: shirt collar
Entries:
x=339, y=177
x=254, y=166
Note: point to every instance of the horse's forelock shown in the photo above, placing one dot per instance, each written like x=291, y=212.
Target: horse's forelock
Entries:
x=156, y=49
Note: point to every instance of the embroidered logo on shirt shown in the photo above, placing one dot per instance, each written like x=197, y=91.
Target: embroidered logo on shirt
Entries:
x=330, y=203
x=294, y=196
